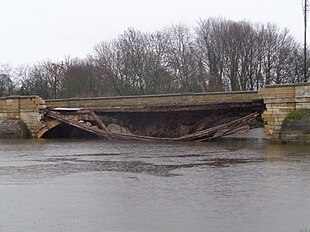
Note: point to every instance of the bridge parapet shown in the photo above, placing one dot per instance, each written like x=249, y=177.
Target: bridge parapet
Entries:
x=146, y=101
x=279, y=101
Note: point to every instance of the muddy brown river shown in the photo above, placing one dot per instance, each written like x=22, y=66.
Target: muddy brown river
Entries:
x=101, y=186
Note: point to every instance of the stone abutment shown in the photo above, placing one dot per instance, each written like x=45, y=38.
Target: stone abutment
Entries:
x=20, y=116
x=280, y=100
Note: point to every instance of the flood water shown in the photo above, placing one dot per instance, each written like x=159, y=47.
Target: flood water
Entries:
x=96, y=185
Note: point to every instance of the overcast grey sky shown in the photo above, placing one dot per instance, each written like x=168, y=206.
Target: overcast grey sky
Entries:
x=34, y=30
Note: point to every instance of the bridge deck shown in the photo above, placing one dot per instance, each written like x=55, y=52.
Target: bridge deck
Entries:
x=161, y=103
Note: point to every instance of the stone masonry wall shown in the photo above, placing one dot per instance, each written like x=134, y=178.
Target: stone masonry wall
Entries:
x=28, y=109
x=302, y=96
x=279, y=101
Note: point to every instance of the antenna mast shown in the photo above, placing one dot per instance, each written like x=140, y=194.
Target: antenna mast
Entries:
x=305, y=11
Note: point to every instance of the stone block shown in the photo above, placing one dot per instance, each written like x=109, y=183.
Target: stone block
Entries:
x=13, y=115
x=302, y=91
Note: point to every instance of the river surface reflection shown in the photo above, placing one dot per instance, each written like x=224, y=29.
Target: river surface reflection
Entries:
x=95, y=185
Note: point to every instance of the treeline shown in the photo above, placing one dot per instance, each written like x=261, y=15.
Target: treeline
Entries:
x=216, y=55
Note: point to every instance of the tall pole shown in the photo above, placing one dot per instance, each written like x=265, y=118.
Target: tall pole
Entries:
x=305, y=10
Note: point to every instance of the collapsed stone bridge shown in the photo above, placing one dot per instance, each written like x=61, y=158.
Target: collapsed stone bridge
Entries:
x=156, y=117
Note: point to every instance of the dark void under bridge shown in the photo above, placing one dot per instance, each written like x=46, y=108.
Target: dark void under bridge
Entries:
x=174, y=117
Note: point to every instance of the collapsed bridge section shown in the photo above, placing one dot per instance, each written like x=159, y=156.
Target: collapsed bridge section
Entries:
x=174, y=117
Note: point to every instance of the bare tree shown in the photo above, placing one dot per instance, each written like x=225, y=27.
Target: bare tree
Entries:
x=211, y=50
x=182, y=58
x=80, y=79
x=7, y=86
x=219, y=55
